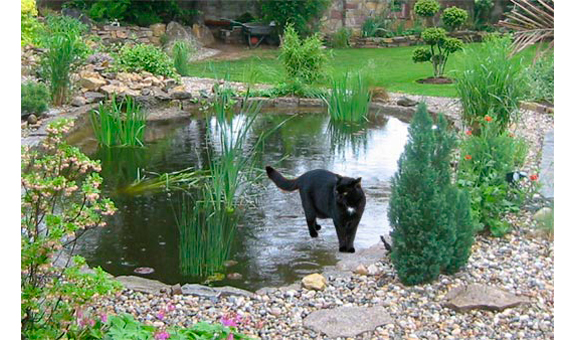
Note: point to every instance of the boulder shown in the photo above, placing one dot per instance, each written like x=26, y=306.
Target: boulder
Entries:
x=476, y=296
x=361, y=270
x=407, y=102
x=92, y=83
x=347, y=322
x=180, y=93
x=158, y=29
x=203, y=34
x=139, y=284
x=94, y=97
x=79, y=101
x=175, y=32
x=314, y=281
x=542, y=214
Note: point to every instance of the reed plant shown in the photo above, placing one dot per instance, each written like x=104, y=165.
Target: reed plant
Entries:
x=490, y=82
x=349, y=98
x=119, y=123
x=181, y=53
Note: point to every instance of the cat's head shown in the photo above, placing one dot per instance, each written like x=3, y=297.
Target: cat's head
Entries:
x=348, y=191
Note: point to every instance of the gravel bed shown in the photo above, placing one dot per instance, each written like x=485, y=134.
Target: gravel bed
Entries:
x=522, y=263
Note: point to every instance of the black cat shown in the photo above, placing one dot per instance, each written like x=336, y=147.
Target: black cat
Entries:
x=327, y=195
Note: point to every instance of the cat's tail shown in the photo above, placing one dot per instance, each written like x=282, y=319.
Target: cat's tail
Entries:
x=282, y=182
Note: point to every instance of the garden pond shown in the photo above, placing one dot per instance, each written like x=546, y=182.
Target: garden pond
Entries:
x=271, y=245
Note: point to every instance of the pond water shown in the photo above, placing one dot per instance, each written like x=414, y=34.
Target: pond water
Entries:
x=271, y=244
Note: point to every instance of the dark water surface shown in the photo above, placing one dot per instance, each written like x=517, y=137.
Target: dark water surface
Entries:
x=271, y=245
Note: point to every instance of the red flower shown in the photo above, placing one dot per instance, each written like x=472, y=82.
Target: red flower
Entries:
x=488, y=119
x=468, y=132
x=534, y=177
x=468, y=157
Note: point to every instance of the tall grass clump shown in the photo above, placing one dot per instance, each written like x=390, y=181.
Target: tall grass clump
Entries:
x=341, y=38
x=302, y=59
x=65, y=49
x=349, y=98
x=181, y=53
x=490, y=82
x=119, y=123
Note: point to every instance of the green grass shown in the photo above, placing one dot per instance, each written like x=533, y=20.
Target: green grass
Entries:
x=391, y=68
x=119, y=123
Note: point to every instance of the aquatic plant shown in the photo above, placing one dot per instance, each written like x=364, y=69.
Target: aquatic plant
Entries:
x=119, y=123
x=349, y=98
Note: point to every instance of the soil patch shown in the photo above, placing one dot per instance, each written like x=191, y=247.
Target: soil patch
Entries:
x=436, y=80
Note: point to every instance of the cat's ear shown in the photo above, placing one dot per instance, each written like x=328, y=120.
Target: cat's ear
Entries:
x=356, y=181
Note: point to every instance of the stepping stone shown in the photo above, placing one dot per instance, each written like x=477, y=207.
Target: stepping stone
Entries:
x=476, y=296
x=347, y=321
x=139, y=284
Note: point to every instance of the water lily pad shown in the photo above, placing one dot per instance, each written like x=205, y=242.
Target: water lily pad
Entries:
x=144, y=270
x=230, y=263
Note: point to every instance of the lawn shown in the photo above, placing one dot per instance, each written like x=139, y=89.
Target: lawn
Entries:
x=391, y=68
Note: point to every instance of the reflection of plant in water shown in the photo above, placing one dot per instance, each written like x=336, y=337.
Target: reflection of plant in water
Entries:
x=345, y=135
x=120, y=166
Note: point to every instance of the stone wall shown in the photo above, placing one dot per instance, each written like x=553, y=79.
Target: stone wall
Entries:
x=410, y=40
x=228, y=9
x=128, y=34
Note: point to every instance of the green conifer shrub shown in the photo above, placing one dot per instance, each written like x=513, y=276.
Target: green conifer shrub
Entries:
x=432, y=229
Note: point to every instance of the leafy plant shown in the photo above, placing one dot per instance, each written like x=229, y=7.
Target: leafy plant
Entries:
x=144, y=57
x=486, y=159
x=302, y=15
x=34, y=97
x=119, y=123
x=290, y=88
x=60, y=199
x=454, y=17
x=304, y=60
x=372, y=27
x=341, y=38
x=541, y=79
x=440, y=47
x=29, y=24
x=490, y=82
x=432, y=227
x=181, y=53
x=349, y=98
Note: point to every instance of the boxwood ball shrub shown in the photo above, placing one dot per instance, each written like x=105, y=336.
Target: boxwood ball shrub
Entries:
x=34, y=98
x=144, y=57
x=454, y=17
x=440, y=47
x=432, y=229
x=426, y=8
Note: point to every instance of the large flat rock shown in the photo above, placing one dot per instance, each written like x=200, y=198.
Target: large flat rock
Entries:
x=213, y=292
x=347, y=321
x=140, y=284
x=476, y=296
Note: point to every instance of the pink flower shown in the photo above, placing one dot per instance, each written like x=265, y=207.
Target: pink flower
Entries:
x=160, y=315
x=162, y=335
x=229, y=322
x=104, y=318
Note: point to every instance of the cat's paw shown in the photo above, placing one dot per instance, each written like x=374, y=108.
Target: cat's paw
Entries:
x=351, y=250
x=317, y=227
x=342, y=249
x=313, y=233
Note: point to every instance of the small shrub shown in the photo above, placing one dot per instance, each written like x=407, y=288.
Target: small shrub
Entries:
x=454, y=17
x=60, y=196
x=341, y=38
x=181, y=53
x=432, y=230
x=490, y=82
x=119, y=124
x=304, y=60
x=440, y=47
x=541, y=79
x=372, y=27
x=426, y=9
x=34, y=98
x=486, y=159
x=349, y=98
x=144, y=57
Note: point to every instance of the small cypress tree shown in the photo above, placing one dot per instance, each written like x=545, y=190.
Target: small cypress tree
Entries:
x=426, y=211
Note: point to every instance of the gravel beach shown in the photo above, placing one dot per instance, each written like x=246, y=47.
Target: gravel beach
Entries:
x=520, y=263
